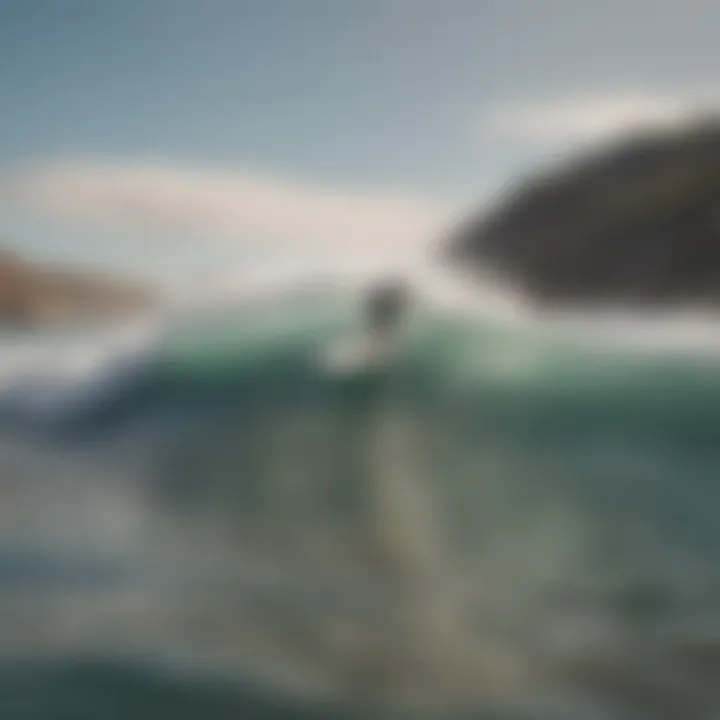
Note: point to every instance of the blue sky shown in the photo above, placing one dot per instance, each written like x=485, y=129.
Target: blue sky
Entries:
x=168, y=135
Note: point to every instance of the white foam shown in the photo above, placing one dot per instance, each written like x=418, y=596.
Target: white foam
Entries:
x=45, y=376
x=485, y=299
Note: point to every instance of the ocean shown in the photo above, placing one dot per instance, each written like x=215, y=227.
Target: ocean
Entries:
x=512, y=518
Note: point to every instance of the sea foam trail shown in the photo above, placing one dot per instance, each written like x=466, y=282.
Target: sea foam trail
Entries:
x=429, y=647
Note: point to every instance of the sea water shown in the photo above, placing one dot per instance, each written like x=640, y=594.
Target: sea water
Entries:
x=511, y=519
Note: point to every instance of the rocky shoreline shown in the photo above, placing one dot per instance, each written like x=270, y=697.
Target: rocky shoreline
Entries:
x=32, y=295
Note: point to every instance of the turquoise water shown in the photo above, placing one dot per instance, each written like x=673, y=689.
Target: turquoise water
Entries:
x=503, y=522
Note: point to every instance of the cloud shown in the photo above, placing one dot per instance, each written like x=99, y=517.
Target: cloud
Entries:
x=592, y=116
x=238, y=205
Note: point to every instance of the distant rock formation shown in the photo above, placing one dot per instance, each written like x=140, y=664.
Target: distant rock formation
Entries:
x=31, y=296
x=636, y=223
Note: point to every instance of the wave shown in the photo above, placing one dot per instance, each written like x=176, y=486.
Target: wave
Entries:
x=470, y=336
x=508, y=510
x=51, y=377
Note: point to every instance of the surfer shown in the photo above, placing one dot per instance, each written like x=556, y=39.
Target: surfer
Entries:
x=383, y=315
x=386, y=307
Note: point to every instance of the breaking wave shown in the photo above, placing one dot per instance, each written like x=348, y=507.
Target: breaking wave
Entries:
x=515, y=518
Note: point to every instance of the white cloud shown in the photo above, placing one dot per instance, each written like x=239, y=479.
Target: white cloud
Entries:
x=591, y=117
x=238, y=204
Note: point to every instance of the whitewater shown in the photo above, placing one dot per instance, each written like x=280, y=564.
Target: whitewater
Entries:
x=515, y=518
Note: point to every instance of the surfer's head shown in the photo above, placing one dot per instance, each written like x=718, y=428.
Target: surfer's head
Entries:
x=386, y=304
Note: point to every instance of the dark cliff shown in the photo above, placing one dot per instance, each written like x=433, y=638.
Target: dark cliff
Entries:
x=637, y=223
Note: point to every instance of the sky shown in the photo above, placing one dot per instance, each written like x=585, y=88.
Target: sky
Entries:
x=186, y=138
